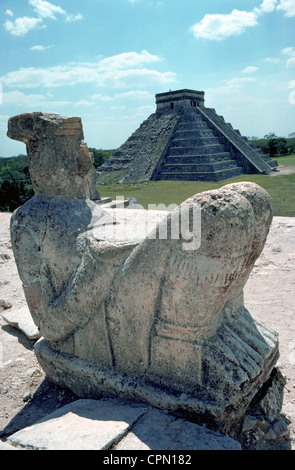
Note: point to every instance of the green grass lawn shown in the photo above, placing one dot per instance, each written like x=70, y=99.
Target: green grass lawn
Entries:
x=280, y=187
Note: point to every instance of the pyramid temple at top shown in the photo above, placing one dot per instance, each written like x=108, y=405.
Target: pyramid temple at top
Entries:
x=184, y=140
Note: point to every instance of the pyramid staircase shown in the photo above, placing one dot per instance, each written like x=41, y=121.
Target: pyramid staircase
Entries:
x=194, y=153
x=197, y=151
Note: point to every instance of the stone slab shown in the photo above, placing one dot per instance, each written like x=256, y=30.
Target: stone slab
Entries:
x=159, y=431
x=125, y=226
x=88, y=424
x=81, y=425
x=21, y=318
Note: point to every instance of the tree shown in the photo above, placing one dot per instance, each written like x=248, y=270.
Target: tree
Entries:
x=14, y=168
x=13, y=194
x=100, y=156
x=275, y=146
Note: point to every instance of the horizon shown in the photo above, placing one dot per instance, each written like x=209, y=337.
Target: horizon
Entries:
x=105, y=61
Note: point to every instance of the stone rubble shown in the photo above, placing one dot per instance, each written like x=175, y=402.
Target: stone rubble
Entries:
x=22, y=319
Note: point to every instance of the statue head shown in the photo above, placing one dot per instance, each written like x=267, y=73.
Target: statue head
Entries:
x=59, y=159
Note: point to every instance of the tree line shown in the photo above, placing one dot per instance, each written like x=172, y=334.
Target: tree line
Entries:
x=15, y=182
x=276, y=146
x=16, y=187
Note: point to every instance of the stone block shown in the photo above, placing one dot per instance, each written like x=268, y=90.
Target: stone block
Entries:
x=21, y=318
x=81, y=425
x=159, y=431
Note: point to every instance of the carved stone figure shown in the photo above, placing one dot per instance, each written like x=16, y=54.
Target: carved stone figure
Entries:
x=126, y=311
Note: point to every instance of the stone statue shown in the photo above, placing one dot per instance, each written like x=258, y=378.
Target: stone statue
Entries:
x=134, y=314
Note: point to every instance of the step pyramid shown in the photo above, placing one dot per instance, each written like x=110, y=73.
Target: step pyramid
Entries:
x=185, y=141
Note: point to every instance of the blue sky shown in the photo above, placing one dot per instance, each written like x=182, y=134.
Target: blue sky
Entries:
x=105, y=60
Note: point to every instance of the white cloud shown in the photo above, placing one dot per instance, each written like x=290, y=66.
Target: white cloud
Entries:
x=102, y=97
x=129, y=59
x=221, y=26
x=272, y=60
x=218, y=27
x=290, y=53
x=267, y=6
x=230, y=87
x=69, y=74
x=122, y=70
x=21, y=26
x=134, y=94
x=134, y=77
x=44, y=10
x=40, y=48
x=31, y=100
x=71, y=17
x=118, y=107
x=288, y=7
x=139, y=113
x=84, y=103
x=239, y=82
x=288, y=50
x=250, y=69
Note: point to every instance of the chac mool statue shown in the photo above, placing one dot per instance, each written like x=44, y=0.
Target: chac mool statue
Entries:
x=126, y=312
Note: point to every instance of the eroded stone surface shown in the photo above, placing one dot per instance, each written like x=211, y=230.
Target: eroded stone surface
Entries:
x=59, y=160
x=159, y=319
x=158, y=431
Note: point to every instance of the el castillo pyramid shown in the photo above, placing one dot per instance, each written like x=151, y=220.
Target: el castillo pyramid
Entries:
x=184, y=140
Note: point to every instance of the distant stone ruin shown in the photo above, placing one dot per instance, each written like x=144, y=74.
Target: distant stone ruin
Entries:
x=144, y=305
x=184, y=140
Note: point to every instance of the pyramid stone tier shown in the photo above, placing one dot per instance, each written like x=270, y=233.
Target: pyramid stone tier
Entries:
x=184, y=140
